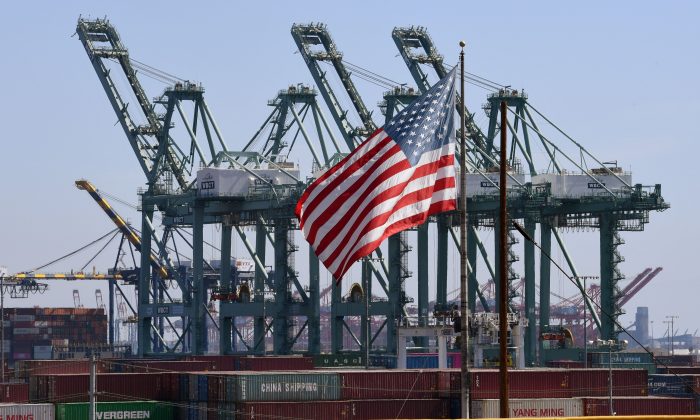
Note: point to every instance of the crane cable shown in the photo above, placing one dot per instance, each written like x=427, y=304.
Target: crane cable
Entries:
x=72, y=253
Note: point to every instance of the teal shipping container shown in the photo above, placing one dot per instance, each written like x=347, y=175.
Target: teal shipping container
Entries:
x=620, y=358
x=278, y=386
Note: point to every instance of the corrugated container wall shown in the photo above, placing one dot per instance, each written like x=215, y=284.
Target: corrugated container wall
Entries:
x=111, y=386
x=400, y=409
x=14, y=393
x=672, y=385
x=523, y=408
x=389, y=384
x=316, y=410
x=156, y=366
x=539, y=383
x=299, y=386
x=649, y=406
x=27, y=411
x=26, y=368
x=594, y=382
x=680, y=370
x=116, y=410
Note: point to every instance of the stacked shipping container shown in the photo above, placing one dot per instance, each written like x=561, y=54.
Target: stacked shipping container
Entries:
x=30, y=333
x=199, y=389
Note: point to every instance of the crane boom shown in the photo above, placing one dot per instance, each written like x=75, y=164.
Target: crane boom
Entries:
x=307, y=36
x=150, y=141
x=126, y=230
x=416, y=47
x=102, y=42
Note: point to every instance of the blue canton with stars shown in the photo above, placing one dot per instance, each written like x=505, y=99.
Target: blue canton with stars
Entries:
x=428, y=122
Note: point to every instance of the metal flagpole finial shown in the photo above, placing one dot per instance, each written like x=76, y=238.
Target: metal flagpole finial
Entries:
x=462, y=44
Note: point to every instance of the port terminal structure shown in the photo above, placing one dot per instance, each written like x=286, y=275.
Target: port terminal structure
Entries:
x=177, y=143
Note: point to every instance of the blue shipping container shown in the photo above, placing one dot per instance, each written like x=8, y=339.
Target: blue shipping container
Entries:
x=202, y=387
x=670, y=385
x=184, y=387
x=428, y=361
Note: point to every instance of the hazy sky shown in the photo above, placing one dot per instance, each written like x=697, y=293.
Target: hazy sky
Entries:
x=618, y=76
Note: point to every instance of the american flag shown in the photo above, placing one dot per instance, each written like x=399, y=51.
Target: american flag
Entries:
x=394, y=180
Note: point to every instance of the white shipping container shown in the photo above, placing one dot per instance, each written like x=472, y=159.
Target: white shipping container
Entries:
x=41, y=324
x=220, y=182
x=27, y=411
x=524, y=408
x=582, y=185
x=23, y=318
x=487, y=184
x=276, y=176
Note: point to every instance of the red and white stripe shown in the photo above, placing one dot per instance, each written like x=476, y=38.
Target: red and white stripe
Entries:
x=370, y=195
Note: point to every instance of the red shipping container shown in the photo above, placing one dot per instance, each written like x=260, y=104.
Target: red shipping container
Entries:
x=311, y=410
x=171, y=385
x=677, y=360
x=275, y=363
x=110, y=386
x=164, y=366
x=14, y=393
x=641, y=406
x=529, y=383
x=400, y=409
x=215, y=388
x=27, y=368
x=594, y=382
x=679, y=370
x=566, y=364
x=219, y=362
x=389, y=384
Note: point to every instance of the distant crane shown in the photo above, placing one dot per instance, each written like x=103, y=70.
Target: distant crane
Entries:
x=98, y=300
x=76, y=299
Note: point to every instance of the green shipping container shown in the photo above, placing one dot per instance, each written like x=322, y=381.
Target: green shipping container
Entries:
x=116, y=410
x=339, y=360
x=282, y=387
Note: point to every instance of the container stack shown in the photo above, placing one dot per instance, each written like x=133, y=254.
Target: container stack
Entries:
x=314, y=394
x=240, y=387
x=32, y=333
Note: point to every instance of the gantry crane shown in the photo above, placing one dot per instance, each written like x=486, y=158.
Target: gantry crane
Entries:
x=172, y=191
x=168, y=162
x=317, y=47
x=626, y=208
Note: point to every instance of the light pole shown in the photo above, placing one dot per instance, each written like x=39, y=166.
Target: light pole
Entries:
x=609, y=344
x=652, y=335
x=673, y=332
x=610, y=383
x=585, y=319
x=668, y=336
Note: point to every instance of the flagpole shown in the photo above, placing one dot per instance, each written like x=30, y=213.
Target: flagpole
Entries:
x=464, y=310
x=503, y=280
